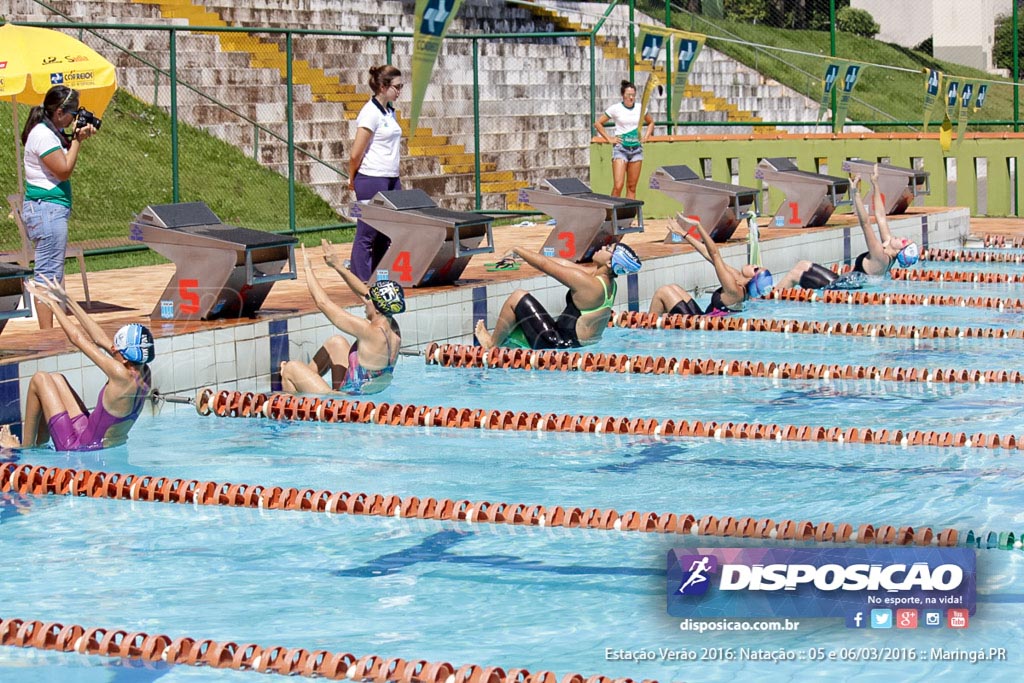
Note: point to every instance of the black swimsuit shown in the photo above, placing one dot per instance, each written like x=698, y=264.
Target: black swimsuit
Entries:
x=858, y=265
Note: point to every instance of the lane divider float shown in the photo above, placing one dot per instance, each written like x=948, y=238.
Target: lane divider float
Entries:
x=315, y=409
x=967, y=256
x=465, y=356
x=138, y=645
x=706, y=323
x=41, y=480
x=1011, y=241
x=894, y=299
x=908, y=275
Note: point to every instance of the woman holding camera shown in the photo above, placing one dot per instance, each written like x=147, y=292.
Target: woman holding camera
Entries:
x=50, y=158
x=373, y=164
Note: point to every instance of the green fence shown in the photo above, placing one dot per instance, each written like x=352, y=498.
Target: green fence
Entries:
x=995, y=159
x=289, y=88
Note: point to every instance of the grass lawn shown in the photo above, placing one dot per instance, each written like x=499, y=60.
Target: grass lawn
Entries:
x=127, y=166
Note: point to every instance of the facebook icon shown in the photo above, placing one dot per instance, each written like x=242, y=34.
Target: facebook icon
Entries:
x=855, y=620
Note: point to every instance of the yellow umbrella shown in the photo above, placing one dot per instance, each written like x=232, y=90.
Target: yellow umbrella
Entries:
x=32, y=60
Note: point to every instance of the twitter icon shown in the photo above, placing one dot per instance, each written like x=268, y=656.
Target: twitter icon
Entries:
x=881, y=618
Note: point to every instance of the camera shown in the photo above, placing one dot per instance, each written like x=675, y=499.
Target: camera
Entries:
x=84, y=118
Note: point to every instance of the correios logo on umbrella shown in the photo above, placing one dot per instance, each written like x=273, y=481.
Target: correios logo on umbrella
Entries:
x=57, y=79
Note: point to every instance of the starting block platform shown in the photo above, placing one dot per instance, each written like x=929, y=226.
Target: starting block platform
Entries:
x=13, y=293
x=899, y=186
x=584, y=221
x=429, y=245
x=810, y=198
x=718, y=206
x=221, y=271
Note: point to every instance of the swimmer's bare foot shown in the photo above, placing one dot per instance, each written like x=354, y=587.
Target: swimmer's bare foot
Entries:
x=8, y=440
x=483, y=336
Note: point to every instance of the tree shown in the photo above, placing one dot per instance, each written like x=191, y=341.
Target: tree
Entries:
x=1002, y=50
x=857, y=21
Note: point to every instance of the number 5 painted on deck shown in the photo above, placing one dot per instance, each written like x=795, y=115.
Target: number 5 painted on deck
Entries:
x=189, y=297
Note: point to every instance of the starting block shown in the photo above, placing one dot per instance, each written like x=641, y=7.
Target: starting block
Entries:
x=13, y=293
x=221, y=271
x=718, y=206
x=899, y=186
x=429, y=245
x=810, y=199
x=585, y=221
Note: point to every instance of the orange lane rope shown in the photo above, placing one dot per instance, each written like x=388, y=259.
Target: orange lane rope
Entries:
x=969, y=256
x=311, y=408
x=1014, y=241
x=894, y=299
x=464, y=356
x=138, y=645
x=954, y=276
x=705, y=323
x=42, y=480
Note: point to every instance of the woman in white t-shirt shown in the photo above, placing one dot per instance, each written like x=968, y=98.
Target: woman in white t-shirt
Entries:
x=373, y=164
x=50, y=157
x=627, y=138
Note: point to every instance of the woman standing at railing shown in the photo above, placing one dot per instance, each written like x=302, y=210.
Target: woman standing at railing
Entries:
x=373, y=164
x=627, y=138
x=50, y=157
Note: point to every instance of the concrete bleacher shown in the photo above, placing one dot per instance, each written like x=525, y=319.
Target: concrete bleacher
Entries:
x=534, y=92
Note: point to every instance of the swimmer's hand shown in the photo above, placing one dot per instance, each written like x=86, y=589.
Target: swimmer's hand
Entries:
x=751, y=216
x=874, y=174
x=331, y=256
x=688, y=224
x=307, y=263
x=854, y=181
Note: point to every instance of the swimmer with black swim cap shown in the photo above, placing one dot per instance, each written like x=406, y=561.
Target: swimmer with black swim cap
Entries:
x=366, y=366
x=524, y=323
x=738, y=285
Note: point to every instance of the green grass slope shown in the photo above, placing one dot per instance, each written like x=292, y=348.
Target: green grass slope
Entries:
x=127, y=166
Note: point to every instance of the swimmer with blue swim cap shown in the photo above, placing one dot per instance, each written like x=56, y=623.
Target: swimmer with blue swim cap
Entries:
x=524, y=323
x=53, y=409
x=738, y=284
x=364, y=366
x=884, y=250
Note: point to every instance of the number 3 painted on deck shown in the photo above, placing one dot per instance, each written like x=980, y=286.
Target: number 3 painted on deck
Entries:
x=569, y=239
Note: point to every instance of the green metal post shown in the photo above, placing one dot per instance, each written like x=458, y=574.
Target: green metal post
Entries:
x=175, y=190
x=669, y=114
x=593, y=81
x=389, y=48
x=1016, y=71
x=290, y=109
x=1016, y=103
x=632, y=40
x=832, y=51
x=476, y=123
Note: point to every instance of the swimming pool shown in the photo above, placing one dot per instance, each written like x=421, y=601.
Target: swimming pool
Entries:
x=566, y=600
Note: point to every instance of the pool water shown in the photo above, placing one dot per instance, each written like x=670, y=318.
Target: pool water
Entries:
x=541, y=598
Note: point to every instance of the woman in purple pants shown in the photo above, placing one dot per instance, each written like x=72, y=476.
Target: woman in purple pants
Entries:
x=373, y=165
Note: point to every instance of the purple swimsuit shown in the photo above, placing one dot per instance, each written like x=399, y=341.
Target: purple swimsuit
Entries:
x=88, y=432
